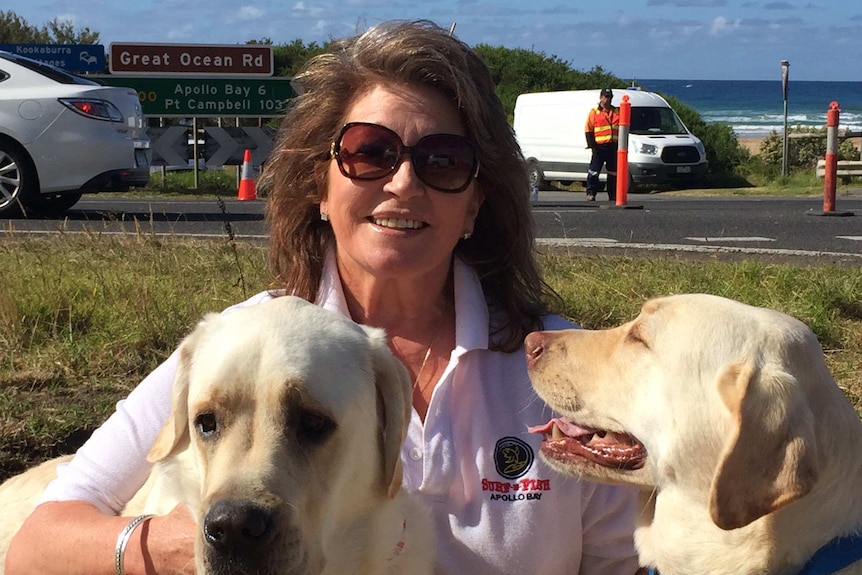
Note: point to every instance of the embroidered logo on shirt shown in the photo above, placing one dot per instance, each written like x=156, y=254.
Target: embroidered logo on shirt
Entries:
x=513, y=457
x=522, y=490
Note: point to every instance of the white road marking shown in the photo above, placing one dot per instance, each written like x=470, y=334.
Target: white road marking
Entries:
x=586, y=243
x=851, y=238
x=731, y=239
x=596, y=240
x=201, y=236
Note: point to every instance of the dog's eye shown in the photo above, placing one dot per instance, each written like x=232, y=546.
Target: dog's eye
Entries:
x=206, y=424
x=634, y=336
x=313, y=427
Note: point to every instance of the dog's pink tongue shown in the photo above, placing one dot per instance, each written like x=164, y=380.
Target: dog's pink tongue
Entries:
x=564, y=425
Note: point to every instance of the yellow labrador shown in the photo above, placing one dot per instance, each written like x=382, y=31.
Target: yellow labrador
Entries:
x=748, y=455
x=284, y=441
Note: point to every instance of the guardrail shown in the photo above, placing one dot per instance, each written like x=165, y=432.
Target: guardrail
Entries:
x=847, y=169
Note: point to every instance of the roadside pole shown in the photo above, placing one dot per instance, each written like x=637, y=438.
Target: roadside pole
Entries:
x=831, y=157
x=623, y=155
x=831, y=160
x=785, y=65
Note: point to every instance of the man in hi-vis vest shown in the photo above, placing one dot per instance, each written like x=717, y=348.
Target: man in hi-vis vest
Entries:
x=602, y=133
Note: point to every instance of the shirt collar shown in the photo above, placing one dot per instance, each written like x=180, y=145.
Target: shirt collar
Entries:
x=471, y=310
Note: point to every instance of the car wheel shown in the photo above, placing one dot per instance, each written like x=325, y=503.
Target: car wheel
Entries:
x=18, y=181
x=50, y=204
x=535, y=175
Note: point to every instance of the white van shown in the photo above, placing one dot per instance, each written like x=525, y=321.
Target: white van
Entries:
x=549, y=127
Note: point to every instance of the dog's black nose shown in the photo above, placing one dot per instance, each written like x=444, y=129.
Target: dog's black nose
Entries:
x=237, y=528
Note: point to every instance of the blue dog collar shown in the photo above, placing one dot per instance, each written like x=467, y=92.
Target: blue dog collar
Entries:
x=834, y=556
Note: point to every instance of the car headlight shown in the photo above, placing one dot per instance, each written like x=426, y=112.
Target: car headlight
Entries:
x=98, y=109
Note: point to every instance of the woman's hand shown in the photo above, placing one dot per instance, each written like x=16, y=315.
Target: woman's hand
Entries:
x=72, y=537
x=163, y=544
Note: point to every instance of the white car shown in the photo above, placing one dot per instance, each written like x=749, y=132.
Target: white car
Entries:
x=62, y=136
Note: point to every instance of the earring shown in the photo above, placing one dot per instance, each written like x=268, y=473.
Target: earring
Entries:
x=466, y=236
x=324, y=217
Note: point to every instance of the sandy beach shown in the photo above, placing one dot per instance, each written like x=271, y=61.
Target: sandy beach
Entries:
x=753, y=144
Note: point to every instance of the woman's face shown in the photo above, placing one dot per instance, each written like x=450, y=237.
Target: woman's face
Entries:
x=396, y=227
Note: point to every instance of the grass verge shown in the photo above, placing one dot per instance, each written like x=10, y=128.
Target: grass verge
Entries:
x=84, y=318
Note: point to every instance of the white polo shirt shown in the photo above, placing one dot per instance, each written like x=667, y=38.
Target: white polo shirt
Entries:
x=497, y=508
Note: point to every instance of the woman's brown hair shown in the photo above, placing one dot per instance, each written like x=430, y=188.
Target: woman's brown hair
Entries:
x=501, y=249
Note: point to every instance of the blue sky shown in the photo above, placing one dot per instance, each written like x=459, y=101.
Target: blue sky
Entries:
x=633, y=39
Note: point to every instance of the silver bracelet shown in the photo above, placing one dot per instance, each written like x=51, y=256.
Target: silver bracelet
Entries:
x=123, y=540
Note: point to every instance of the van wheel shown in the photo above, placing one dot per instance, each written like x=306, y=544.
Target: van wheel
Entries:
x=535, y=175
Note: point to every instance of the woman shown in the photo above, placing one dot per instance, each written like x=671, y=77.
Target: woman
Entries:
x=398, y=197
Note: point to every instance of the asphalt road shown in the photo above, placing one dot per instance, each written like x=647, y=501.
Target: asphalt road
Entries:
x=745, y=225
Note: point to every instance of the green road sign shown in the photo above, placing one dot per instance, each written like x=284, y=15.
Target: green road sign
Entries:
x=207, y=97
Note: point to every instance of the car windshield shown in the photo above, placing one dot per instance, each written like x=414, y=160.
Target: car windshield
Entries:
x=46, y=70
x=655, y=121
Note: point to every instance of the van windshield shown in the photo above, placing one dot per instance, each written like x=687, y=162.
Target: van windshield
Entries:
x=655, y=121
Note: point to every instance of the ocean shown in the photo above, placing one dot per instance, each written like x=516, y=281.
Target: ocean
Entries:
x=753, y=108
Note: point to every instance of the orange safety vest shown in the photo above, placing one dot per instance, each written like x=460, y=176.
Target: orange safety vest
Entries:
x=605, y=125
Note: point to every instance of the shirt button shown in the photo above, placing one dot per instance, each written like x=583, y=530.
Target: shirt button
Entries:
x=415, y=454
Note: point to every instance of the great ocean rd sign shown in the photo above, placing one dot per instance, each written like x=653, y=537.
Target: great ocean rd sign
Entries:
x=191, y=59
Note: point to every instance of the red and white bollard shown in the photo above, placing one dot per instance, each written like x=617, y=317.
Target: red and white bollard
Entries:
x=831, y=158
x=623, y=156
x=830, y=172
x=623, y=152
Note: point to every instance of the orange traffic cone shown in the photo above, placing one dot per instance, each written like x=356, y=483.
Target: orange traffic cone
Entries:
x=246, y=180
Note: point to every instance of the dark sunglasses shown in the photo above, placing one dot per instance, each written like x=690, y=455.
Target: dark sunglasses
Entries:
x=443, y=162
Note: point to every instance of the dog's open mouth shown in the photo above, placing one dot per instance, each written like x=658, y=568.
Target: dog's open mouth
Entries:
x=565, y=441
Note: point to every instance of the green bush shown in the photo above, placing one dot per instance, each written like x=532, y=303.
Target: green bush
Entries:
x=802, y=152
x=723, y=151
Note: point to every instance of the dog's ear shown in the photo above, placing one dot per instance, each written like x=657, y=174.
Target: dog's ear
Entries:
x=770, y=457
x=174, y=435
x=394, y=403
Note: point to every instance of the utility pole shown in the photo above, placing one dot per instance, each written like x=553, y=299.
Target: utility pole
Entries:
x=785, y=65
